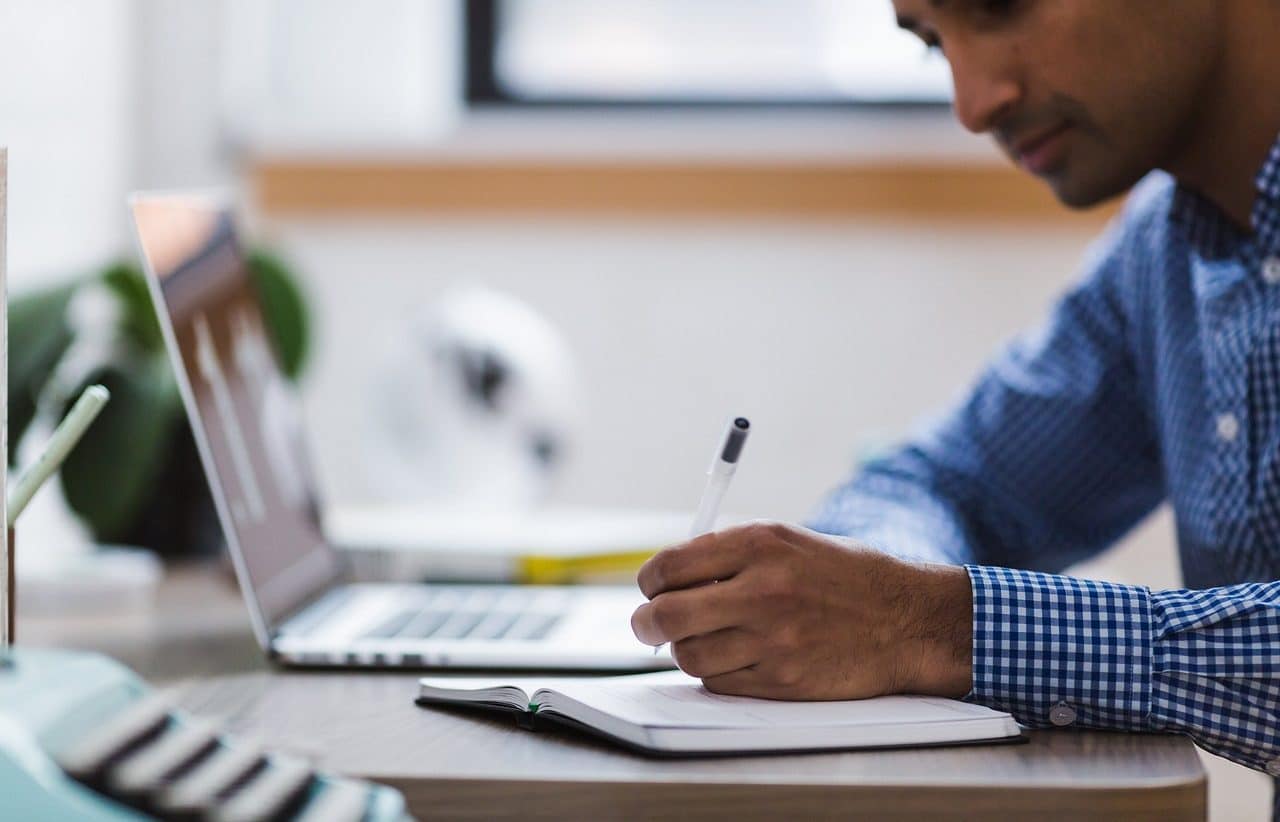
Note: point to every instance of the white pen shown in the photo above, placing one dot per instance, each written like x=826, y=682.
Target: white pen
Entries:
x=63, y=439
x=723, y=465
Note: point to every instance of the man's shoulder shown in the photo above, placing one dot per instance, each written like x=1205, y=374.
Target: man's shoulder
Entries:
x=1129, y=276
x=1137, y=240
x=1150, y=203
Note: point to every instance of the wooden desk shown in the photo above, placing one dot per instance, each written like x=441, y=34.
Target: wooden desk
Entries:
x=198, y=625
x=451, y=764
x=472, y=766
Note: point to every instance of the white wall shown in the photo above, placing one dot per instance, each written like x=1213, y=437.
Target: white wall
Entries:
x=181, y=137
x=67, y=115
x=825, y=335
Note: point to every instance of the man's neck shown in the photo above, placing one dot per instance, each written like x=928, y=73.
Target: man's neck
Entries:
x=1240, y=119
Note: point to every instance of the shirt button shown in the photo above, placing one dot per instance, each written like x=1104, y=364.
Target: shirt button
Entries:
x=1273, y=767
x=1228, y=427
x=1271, y=270
x=1062, y=714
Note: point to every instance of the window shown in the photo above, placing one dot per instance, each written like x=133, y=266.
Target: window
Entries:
x=717, y=52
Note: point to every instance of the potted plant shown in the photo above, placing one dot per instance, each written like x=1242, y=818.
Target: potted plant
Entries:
x=135, y=478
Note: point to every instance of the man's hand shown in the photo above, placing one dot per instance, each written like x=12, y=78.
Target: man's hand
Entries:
x=772, y=610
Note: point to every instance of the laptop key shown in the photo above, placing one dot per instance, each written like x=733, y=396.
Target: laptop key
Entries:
x=505, y=616
x=425, y=624
x=479, y=599
x=544, y=626
x=446, y=600
x=514, y=599
x=458, y=625
x=494, y=626
x=392, y=626
x=533, y=627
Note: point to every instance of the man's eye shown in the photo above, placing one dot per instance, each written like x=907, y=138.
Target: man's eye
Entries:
x=1000, y=8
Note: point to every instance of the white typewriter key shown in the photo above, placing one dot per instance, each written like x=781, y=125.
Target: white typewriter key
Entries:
x=268, y=793
x=89, y=755
x=146, y=768
x=197, y=790
x=340, y=801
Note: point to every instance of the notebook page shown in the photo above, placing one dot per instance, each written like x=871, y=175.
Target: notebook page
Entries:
x=478, y=689
x=674, y=699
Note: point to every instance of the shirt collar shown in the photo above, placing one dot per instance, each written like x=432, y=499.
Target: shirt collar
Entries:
x=1268, y=179
x=1266, y=209
x=1208, y=230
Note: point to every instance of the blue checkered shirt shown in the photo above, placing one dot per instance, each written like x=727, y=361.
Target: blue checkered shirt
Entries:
x=1156, y=377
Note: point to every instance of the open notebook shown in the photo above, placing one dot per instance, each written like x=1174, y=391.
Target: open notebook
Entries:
x=671, y=713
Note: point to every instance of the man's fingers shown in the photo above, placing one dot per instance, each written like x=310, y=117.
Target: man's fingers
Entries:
x=742, y=682
x=677, y=615
x=720, y=652
x=714, y=556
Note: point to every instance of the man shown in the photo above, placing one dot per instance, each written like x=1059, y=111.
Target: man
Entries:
x=1157, y=377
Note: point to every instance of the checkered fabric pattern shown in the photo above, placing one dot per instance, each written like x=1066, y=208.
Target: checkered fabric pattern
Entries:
x=1204, y=663
x=1156, y=378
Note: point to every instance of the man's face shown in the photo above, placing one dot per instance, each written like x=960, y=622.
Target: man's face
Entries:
x=1088, y=95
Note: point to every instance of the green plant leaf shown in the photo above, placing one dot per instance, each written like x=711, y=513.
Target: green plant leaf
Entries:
x=110, y=475
x=138, y=316
x=284, y=310
x=38, y=337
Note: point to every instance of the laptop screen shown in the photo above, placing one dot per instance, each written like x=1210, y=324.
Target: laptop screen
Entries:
x=243, y=413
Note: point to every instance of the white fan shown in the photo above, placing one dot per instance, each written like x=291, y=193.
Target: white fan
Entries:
x=476, y=406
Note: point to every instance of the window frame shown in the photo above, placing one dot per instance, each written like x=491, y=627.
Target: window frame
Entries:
x=482, y=88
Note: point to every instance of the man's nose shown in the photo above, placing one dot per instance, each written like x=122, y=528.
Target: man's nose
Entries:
x=985, y=88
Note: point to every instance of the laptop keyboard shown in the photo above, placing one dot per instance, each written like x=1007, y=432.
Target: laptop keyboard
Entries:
x=479, y=614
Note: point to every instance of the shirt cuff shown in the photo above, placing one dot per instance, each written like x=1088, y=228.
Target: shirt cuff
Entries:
x=1055, y=650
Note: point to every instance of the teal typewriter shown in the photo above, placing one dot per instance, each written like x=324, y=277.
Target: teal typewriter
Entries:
x=83, y=738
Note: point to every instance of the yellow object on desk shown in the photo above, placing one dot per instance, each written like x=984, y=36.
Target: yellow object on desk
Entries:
x=558, y=544
x=589, y=568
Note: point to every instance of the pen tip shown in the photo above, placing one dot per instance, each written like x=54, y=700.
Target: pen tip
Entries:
x=741, y=423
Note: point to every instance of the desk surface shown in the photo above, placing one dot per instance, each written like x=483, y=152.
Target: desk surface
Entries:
x=462, y=765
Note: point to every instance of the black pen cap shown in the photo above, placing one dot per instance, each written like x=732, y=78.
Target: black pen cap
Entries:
x=735, y=439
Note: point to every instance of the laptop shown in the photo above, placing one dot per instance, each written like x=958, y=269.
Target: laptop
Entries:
x=247, y=424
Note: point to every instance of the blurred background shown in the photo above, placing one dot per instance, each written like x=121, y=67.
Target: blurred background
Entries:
x=693, y=210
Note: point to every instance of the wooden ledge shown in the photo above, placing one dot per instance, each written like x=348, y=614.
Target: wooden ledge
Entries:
x=828, y=189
